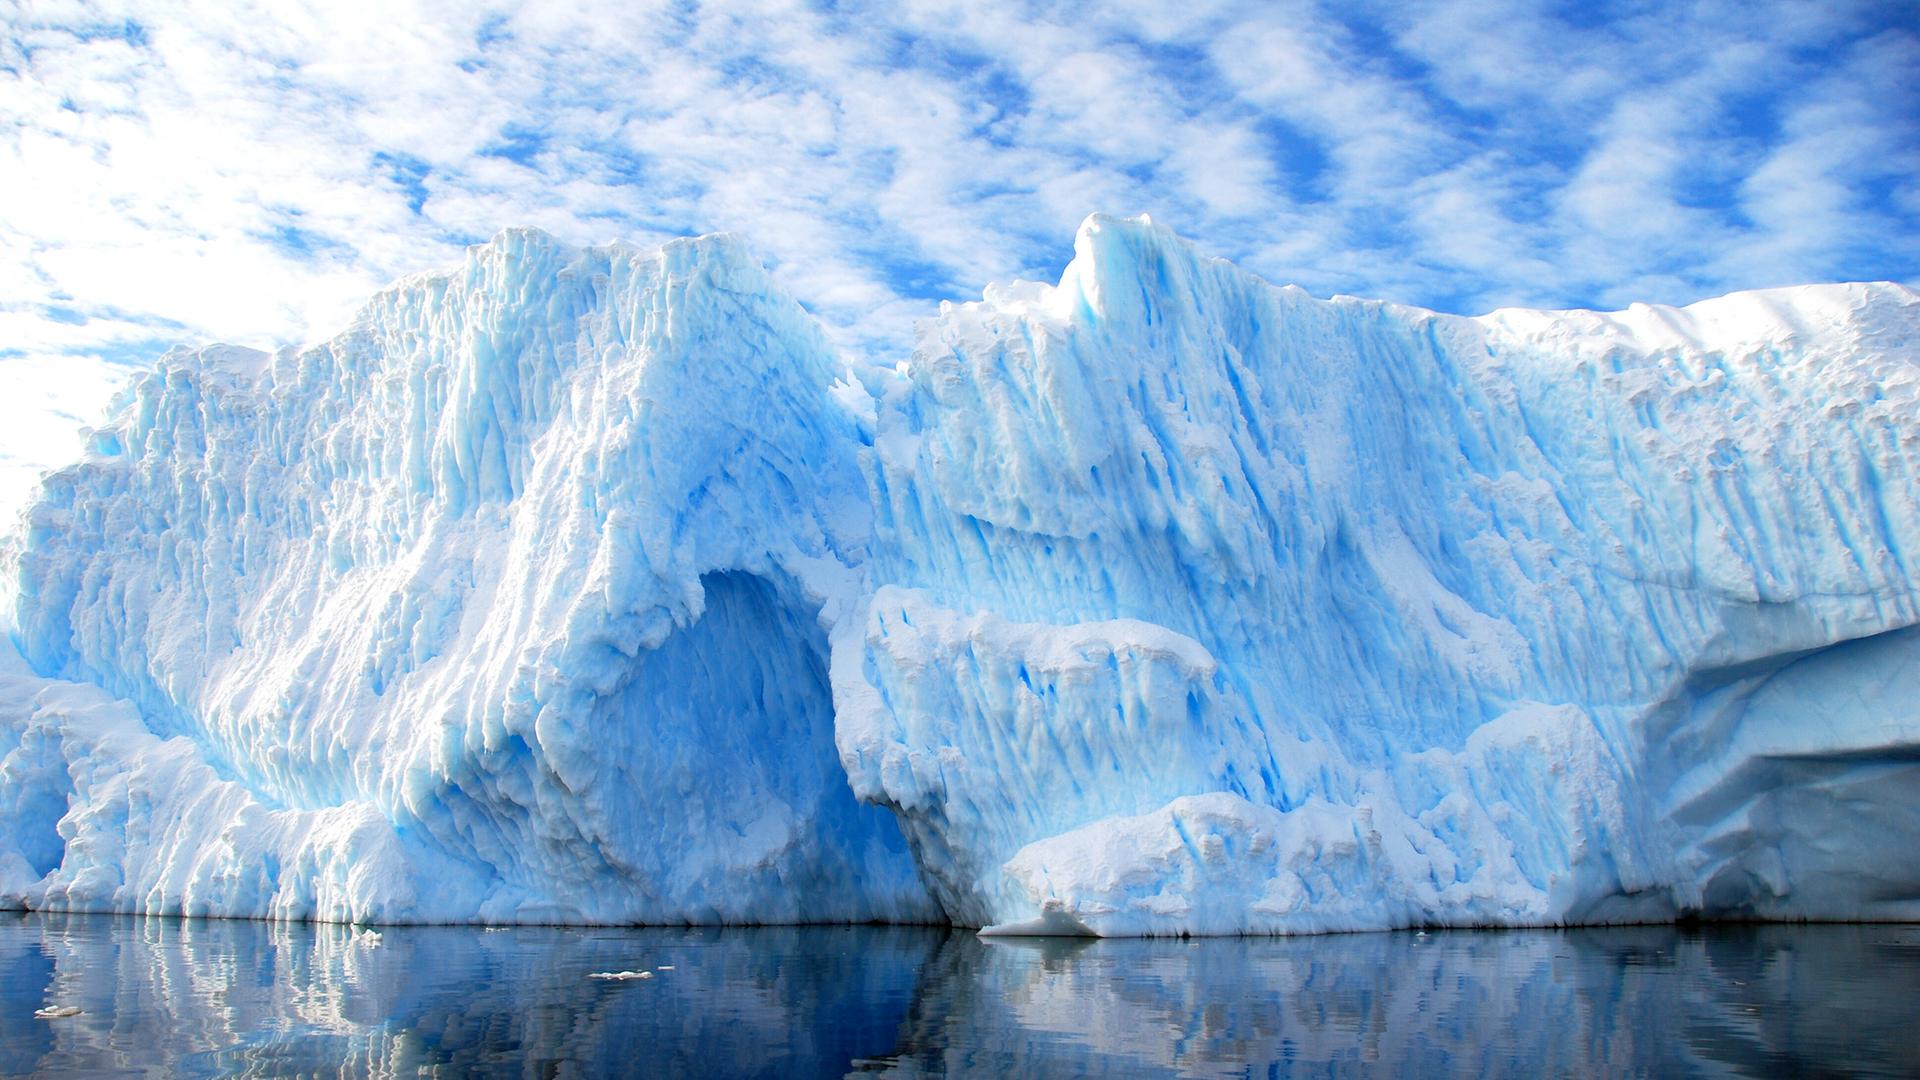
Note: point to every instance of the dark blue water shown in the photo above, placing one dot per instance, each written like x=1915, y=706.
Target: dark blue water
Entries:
x=214, y=998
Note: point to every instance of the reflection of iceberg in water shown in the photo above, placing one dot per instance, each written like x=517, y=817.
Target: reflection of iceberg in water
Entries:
x=1639, y=1000
x=223, y=998
x=245, y=998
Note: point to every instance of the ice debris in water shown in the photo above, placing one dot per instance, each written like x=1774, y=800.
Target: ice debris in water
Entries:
x=621, y=976
x=56, y=1012
x=591, y=586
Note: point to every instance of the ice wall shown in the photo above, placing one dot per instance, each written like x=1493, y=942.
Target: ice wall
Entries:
x=1210, y=606
x=590, y=586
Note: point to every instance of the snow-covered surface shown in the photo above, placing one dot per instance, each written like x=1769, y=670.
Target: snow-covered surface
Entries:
x=590, y=586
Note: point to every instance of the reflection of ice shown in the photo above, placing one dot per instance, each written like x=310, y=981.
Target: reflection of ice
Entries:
x=193, y=986
x=214, y=997
x=173, y=997
x=1583, y=1002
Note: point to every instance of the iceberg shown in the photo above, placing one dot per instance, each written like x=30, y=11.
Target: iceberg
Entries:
x=592, y=586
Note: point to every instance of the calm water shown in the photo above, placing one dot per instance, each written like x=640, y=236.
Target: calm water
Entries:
x=213, y=998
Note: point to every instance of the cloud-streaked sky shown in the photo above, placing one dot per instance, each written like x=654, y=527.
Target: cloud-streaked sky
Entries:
x=183, y=171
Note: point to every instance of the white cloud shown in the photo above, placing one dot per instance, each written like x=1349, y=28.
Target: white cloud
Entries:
x=50, y=398
x=248, y=173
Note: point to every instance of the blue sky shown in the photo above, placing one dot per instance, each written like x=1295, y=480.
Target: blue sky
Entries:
x=182, y=172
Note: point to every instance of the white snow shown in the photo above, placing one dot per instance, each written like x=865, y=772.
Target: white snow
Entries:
x=588, y=585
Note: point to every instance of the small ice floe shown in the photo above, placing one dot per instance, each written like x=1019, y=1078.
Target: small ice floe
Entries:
x=665, y=967
x=366, y=938
x=621, y=975
x=55, y=1012
x=1054, y=921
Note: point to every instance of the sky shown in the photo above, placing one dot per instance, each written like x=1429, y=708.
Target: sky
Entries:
x=183, y=172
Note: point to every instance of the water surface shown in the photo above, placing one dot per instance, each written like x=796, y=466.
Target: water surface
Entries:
x=219, y=998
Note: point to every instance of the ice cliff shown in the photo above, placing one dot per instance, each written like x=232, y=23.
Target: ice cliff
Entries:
x=502, y=605
x=591, y=586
